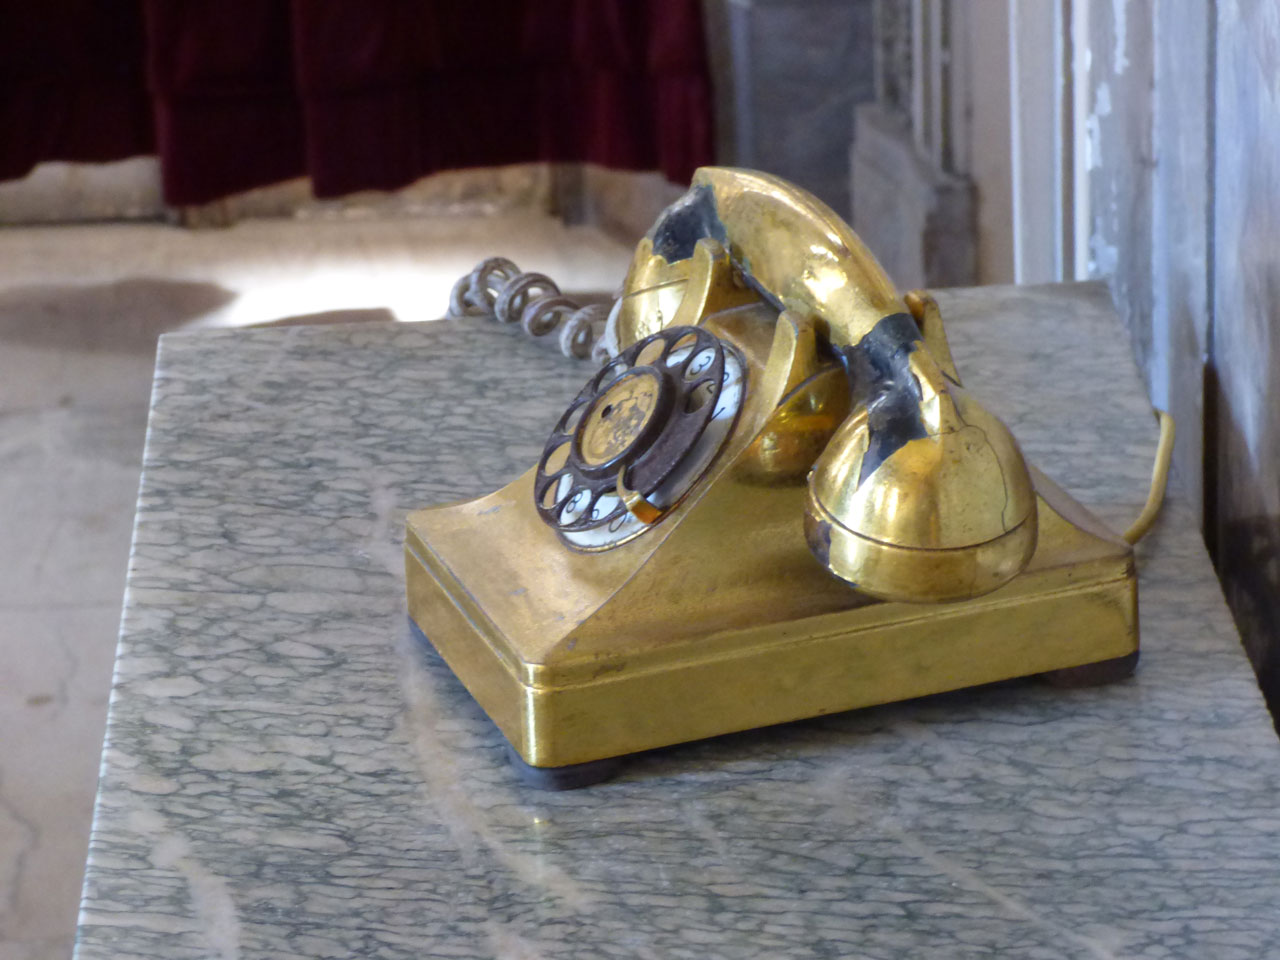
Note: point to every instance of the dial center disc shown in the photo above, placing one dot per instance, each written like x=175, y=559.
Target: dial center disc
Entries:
x=621, y=417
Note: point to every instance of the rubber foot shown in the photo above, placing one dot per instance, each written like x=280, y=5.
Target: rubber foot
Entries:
x=1093, y=674
x=570, y=777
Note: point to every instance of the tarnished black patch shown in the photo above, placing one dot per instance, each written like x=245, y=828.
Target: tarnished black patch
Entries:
x=818, y=534
x=879, y=371
x=685, y=222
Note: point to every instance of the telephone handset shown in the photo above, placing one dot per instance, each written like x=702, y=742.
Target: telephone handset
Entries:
x=921, y=495
x=773, y=414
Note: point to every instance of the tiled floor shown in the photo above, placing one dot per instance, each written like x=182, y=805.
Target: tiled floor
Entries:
x=80, y=309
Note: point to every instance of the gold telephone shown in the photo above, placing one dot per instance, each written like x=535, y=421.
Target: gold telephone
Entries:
x=775, y=501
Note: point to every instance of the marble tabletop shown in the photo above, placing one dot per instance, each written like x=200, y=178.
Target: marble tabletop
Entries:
x=287, y=774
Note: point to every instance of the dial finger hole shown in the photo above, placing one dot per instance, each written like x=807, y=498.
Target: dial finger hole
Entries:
x=588, y=511
x=686, y=342
x=575, y=506
x=700, y=363
x=562, y=487
x=700, y=396
x=610, y=374
x=607, y=503
x=569, y=422
x=652, y=353
x=607, y=518
x=550, y=495
x=556, y=460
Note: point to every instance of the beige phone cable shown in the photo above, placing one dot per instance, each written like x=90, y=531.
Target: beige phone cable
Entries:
x=1159, y=481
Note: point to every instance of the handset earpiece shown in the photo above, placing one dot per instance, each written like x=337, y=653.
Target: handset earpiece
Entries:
x=921, y=495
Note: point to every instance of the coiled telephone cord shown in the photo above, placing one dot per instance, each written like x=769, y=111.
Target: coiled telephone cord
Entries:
x=498, y=288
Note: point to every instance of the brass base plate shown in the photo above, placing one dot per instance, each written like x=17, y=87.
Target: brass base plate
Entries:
x=711, y=624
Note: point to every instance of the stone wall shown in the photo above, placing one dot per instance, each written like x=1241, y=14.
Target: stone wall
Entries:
x=1244, y=348
x=788, y=74
x=917, y=219
x=1184, y=153
x=912, y=203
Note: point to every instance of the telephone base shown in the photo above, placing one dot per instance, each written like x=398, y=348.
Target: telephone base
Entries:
x=575, y=776
x=584, y=657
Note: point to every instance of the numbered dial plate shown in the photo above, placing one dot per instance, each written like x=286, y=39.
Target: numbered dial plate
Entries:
x=657, y=414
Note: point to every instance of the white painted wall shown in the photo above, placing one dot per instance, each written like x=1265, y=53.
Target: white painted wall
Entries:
x=1037, y=84
x=60, y=192
x=981, y=70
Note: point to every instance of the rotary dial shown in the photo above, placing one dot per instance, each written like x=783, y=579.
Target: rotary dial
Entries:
x=637, y=437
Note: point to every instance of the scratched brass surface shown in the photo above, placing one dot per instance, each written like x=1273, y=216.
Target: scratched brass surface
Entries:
x=618, y=417
x=797, y=248
x=651, y=294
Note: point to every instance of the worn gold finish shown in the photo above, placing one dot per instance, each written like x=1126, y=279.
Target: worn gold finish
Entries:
x=801, y=427
x=815, y=401
x=963, y=483
x=651, y=294
x=713, y=285
x=924, y=309
x=619, y=417
x=794, y=246
x=726, y=615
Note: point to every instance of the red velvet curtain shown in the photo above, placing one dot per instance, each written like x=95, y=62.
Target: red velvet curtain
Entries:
x=72, y=83
x=357, y=94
